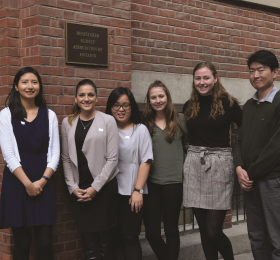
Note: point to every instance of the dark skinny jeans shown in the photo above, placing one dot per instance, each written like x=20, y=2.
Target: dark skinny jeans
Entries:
x=163, y=202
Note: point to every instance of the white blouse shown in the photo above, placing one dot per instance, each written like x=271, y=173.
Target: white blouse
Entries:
x=9, y=144
x=135, y=148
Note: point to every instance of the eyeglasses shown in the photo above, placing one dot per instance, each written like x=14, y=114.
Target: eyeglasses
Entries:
x=124, y=106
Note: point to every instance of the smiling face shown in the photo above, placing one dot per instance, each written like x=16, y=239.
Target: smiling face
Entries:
x=261, y=77
x=121, y=110
x=158, y=98
x=204, y=81
x=86, y=98
x=28, y=86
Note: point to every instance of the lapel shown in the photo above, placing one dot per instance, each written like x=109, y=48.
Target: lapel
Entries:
x=87, y=146
x=71, y=141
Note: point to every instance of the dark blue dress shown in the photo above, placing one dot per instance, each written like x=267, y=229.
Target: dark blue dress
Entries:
x=17, y=208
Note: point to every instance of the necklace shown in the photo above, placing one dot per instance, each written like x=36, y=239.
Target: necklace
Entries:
x=87, y=124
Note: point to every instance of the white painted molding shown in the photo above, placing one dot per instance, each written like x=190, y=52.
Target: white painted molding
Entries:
x=180, y=85
x=272, y=3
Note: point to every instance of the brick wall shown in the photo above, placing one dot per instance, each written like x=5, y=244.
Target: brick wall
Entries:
x=148, y=35
x=173, y=36
x=32, y=34
x=9, y=62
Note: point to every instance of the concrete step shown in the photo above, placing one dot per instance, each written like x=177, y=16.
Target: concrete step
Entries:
x=191, y=248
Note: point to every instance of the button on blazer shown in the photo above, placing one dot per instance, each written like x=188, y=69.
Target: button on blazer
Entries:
x=100, y=148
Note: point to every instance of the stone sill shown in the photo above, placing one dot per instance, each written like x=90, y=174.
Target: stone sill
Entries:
x=270, y=3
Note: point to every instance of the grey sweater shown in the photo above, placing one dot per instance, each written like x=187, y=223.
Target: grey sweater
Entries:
x=257, y=148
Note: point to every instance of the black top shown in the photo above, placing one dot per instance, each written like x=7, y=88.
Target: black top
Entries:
x=85, y=177
x=209, y=132
x=257, y=148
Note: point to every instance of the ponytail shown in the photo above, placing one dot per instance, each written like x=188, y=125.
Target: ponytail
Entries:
x=76, y=110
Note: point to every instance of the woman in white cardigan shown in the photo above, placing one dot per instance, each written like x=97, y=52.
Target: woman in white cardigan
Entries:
x=90, y=144
x=30, y=145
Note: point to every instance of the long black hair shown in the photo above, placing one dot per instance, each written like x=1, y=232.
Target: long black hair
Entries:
x=13, y=99
x=135, y=117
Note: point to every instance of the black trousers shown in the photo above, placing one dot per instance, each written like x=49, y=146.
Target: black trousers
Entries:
x=98, y=245
x=263, y=219
x=163, y=202
x=43, y=241
x=126, y=244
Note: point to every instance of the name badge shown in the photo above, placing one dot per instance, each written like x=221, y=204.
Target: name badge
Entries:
x=23, y=123
x=127, y=137
x=100, y=129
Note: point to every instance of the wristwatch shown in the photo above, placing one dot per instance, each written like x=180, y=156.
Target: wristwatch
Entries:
x=141, y=191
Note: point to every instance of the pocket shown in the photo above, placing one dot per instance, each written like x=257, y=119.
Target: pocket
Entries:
x=223, y=169
x=230, y=166
x=186, y=164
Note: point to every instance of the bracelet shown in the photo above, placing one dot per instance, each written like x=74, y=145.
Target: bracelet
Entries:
x=45, y=177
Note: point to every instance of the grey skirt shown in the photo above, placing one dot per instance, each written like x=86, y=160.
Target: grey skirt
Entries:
x=208, y=178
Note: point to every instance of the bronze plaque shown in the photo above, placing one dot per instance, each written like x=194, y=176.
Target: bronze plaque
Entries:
x=86, y=44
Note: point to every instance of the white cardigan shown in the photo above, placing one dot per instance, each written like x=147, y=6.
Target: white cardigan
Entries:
x=9, y=144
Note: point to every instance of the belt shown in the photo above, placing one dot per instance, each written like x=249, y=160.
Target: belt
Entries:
x=204, y=160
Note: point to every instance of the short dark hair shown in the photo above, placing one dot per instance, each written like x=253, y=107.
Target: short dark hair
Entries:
x=13, y=99
x=85, y=82
x=113, y=98
x=264, y=57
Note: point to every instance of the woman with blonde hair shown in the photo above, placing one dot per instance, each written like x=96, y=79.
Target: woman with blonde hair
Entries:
x=208, y=168
x=165, y=188
x=90, y=144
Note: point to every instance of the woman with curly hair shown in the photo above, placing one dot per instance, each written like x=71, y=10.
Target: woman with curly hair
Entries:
x=208, y=168
x=165, y=188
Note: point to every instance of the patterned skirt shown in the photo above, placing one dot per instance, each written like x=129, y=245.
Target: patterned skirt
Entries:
x=208, y=178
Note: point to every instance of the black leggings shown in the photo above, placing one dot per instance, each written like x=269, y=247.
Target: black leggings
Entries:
x=163, y=201
x=43, y=241
x=213, y=239
x=127, y=247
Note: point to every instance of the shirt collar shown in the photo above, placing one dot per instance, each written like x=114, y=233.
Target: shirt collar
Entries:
x=269, y=97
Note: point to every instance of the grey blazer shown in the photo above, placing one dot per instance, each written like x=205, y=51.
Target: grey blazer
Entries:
x=101, y=147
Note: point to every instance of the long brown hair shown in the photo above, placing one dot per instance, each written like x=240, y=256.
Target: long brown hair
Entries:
x=219, y=93
x=76, y=110
x=171, y=115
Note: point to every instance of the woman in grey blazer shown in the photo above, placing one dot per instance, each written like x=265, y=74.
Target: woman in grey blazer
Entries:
x=90, y=157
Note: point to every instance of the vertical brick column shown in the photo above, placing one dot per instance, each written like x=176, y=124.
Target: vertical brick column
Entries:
x=32, y=33
x=9, y=64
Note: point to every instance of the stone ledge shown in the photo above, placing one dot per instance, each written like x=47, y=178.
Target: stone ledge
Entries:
x=271, y=3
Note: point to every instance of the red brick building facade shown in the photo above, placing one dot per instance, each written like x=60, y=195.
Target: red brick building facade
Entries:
x=146, y=37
